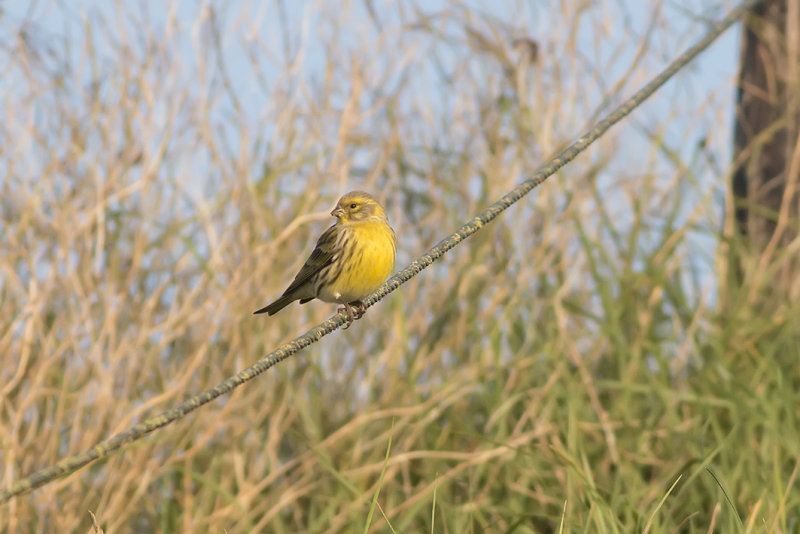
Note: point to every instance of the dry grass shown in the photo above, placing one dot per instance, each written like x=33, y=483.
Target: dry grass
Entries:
x=164, y=175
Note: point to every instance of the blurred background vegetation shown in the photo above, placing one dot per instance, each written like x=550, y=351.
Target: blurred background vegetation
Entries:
x=166, y=167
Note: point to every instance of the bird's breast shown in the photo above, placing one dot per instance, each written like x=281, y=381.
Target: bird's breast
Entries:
x=366, y=262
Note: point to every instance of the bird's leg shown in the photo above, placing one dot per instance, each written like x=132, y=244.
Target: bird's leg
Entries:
x=350, y=315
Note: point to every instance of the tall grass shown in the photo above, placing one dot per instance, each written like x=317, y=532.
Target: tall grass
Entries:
x=578, y=366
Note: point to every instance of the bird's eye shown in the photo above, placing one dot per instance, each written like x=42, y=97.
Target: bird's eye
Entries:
x=353, y=206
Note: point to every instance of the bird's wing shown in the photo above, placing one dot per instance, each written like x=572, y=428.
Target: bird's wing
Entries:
x=321, y=257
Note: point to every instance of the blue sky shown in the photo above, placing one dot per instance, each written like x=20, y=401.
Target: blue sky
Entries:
x=697, y=105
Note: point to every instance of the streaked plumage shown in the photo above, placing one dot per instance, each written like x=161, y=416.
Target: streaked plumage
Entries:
x=351, y=260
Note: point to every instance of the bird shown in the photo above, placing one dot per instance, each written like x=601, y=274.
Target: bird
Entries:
x=352, y=259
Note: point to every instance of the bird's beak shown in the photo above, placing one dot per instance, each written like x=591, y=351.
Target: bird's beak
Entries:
x=337, y=212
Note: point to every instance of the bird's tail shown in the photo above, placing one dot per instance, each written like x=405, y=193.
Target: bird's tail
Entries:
x=277, y=306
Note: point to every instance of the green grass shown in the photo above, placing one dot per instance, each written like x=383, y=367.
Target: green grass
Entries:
x=580, y=365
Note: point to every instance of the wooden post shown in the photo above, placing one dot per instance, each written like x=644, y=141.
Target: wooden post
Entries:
x=768, y=120
x=766, y=181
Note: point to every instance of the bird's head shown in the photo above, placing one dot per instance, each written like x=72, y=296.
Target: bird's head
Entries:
x=358, y=206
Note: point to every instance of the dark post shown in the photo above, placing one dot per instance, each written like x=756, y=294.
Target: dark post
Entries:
x=767, y=128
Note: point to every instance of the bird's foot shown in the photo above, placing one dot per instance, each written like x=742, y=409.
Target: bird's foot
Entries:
x=361, y=308
x=350, y=315
x=355, y=310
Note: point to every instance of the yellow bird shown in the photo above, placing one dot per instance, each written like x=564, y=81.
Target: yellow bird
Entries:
x=351, y=260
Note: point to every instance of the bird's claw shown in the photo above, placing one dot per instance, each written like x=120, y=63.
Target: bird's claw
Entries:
x=350, y=317
x=355, y=310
